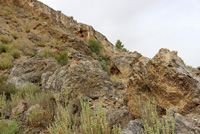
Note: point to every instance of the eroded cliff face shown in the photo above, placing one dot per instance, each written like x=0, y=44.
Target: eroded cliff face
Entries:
x=57, y=17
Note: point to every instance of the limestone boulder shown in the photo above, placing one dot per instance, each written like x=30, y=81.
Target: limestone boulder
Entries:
x=86, y=77
x=165, y=78
x=122, y=64
x=30, y=71
x=133, y=127
x=184, y=126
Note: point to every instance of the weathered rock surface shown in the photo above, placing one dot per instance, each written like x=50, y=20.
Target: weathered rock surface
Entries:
x=77, y=44
x=166, y=79
x=120, y=116
x=123, y=63
x=133, y=127
x=87, y=77
x=19, y=110
x=184, y=126
x=30, y=71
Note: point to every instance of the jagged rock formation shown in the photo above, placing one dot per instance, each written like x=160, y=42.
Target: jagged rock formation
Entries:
x=166, y=79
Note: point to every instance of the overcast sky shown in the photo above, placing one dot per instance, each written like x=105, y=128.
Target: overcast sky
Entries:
x=142, y=25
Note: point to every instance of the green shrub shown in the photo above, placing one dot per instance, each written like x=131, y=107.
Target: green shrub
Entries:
x=7, y=56
x=28, y=89
x=14, y=34
x=7, y=89
x=29, y=52
x=39, y=118
x=119, y=45
x=5, y=63
x=57, y=42
x=3, y=79
x=89, y=122
x=104, y=63
x=3, y=104
x=39, y=43
x=151, y=122
x=10, y=127
x=4, y=48
x=95, y=46
x=191, y=69
x=15, y=44
x=47, y=52
x=6, y=39
x=62, y=58
x=15, y=53
x=27, y=28
x=114, y=79
x=105, y=67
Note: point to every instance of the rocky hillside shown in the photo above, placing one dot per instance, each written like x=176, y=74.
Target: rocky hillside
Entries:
x=49, y=63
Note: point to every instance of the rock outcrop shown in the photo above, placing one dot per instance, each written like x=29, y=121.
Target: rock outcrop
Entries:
x=165, y=78
x=30, y=71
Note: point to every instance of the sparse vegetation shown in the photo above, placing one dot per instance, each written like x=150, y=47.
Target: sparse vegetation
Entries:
x=4, y=48
x=15, y=53
x=14, y=34
x=104, y=63
x=119, y=45
x=57, y=42
x=114, y=78
x=15, y=44
x=9, y=127
x=40, y=117
x=5, y=63
x=29, y=52
x=47, y=52
x=88, y=123
x=152, y=123
x=95, y=46
x=62, y=58
x=27, y=28
x=191, y=69
x=6, y=39
x=8, y=56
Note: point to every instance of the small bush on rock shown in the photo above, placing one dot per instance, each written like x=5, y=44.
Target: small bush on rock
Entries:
x=95, y=46
x=15, y=53
x=29, y=52
x=47, y=52
x=62, y=58
x=119, y=45
x=6, y=39
x=104, y=63
x=5, y=63
x=4, y=48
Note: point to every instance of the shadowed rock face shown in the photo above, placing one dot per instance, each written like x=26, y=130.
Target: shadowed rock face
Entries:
x=166, y=79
